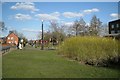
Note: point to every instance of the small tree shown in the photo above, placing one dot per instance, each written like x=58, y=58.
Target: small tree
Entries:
x=47, y=35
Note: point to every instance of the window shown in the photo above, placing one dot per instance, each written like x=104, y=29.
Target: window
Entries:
x=112, y=26
x=15, y=42
x=118, y=31
x=11, y=38
x=112, y=32
x=117, y=25
x=8, y=38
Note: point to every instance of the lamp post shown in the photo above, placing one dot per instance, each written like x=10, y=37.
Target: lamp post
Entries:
x=42, y=45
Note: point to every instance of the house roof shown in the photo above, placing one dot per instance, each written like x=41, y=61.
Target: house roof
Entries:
x=12, y=33
x=114, y=21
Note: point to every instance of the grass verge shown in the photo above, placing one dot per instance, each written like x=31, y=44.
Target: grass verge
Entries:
x=47, y=64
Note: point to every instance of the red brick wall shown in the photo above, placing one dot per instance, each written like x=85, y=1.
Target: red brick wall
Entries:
x=12, y=39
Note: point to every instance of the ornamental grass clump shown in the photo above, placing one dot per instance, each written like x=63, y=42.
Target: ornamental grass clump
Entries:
x=90, y=50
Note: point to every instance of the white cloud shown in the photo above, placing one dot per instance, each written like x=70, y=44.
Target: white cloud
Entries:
x=32, y=34
x=30, y=30
x=51, y=17
x=20, y=16
x=72, y=14
x=83, y=13
x=68, y=23
x=57, y=14
x=87, y=11
x=25, y=6
x=114, y=15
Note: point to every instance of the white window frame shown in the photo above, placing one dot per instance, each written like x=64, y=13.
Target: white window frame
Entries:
x=8, y=38
x=112, y=26
x=112, y=31
x=117, y=25
x=12, y=38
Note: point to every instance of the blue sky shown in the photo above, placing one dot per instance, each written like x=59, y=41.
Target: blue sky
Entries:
x=26, y=17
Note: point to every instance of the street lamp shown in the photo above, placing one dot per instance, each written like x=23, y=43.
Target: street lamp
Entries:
x=42, y=45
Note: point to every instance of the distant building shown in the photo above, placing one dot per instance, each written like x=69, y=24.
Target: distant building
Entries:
x=2, y=40
x=12, y=39
x=114, y=27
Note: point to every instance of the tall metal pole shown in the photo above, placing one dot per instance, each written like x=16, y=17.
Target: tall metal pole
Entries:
x=42, y=45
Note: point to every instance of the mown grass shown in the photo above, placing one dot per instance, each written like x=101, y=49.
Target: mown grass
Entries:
x=0, y=65
x=91, y=50
x=47, y=64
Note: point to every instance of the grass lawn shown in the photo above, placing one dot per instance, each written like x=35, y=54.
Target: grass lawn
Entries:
x=47, y=64
x=0, y=65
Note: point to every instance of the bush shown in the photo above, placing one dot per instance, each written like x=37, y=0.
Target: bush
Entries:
x=90, y=50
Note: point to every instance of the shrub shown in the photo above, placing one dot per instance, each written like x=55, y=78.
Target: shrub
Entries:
x=90, y=50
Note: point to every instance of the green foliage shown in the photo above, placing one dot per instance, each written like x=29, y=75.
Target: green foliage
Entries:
x=90, y=50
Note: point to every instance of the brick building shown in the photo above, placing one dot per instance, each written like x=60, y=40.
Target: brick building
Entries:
x=12, y=39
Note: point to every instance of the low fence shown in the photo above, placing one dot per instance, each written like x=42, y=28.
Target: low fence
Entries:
x=4, y=49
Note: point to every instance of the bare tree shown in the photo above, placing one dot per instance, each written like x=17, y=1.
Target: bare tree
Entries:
x=57, y=31
x=2, y=26
x=75, y=27
x=79, y=27
x=82, y=27
x=69, y=30
x=94, y=25
x=103, y=30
